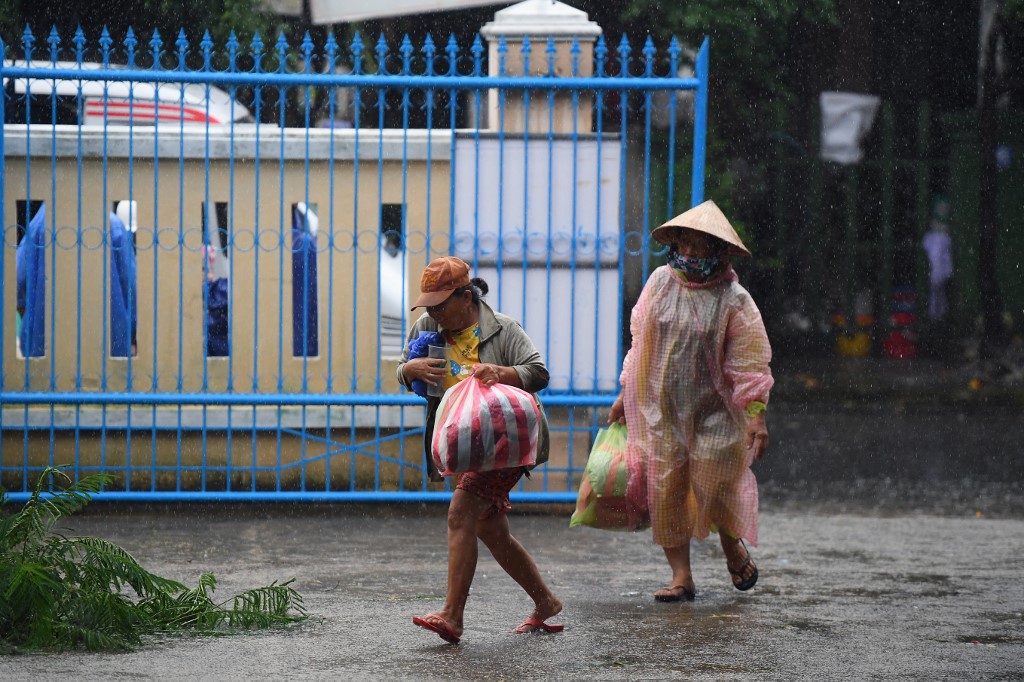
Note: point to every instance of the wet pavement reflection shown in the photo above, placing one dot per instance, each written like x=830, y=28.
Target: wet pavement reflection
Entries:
x=890, y=547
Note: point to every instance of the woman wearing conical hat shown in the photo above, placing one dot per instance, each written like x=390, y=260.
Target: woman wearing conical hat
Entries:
x=695, y=387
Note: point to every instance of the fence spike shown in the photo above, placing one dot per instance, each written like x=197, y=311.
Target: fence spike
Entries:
x=649, y=51
x=256, y=47
x=26, y=42
x=155, y=43
x=282, y=51
x=79, y=41
x=207, y=45
x=551, y=51
x=331, y=48
x=130, y=43
x=428, y=51
x=600, y=53
x=624, y=49
x=452, y=48
x=182, y=44
x=105, y=42
x=357, y=53
x=477, y=49
x=382, y=55
x=307, y=50
x=54, y=40
x=406, y=50
x=232, y=46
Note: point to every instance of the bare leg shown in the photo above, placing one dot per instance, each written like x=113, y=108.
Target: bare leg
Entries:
x=517, y=562
x=463, y=512
x=681, y=586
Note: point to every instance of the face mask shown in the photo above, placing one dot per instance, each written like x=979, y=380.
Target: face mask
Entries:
x=693, y=267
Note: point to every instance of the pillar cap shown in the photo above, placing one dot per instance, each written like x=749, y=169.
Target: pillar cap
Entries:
x=543, y=19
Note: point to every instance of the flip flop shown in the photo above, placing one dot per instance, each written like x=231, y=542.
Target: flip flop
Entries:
x=744, y=585
x=537, y=625
x=442, y=628
x=677, y=593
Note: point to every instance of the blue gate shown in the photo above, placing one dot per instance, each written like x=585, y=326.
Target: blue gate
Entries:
x=208, y=255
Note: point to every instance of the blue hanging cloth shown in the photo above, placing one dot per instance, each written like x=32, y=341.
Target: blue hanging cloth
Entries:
x=123, y=290
x=305, y=327
x=30, y=263
x=217, y=295
x=218, y=342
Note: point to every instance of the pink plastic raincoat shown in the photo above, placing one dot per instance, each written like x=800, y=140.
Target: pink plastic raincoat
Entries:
x=700, y=355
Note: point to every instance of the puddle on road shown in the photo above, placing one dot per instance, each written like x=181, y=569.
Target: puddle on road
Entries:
x=689, y=669
x=809, y=626
x=1004, y=617
x=938, y=594
x=809, y=602
x=852, y=556
x=865, y=593
x=992, y=639
x=718, y=668
x=939, y=584
x=923, y=577
x=615, y=662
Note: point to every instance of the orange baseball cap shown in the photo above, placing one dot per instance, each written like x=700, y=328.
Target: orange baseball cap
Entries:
x=440, y=278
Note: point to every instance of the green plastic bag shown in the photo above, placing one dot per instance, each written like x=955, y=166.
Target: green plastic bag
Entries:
x=601, y=501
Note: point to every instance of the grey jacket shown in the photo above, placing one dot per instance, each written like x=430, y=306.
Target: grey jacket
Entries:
x=502, y=342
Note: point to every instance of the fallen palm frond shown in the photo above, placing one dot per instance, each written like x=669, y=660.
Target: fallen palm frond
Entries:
x=60, y=592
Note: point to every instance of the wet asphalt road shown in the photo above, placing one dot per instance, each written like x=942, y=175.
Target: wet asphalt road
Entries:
x=895, y=457
x=874, y=565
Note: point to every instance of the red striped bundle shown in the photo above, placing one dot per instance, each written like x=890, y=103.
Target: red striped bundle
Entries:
x=483, y=428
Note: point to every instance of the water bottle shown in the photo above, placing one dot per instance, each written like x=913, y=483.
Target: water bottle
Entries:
x=436, y=353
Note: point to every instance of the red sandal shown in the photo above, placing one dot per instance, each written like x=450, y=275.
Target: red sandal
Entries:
x=438, y=625
x=536, y=625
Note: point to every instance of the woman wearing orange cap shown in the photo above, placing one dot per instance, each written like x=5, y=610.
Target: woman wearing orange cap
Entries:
x=497, y=350
x=695, y=389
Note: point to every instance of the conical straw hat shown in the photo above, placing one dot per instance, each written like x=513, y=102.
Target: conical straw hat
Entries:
x=708, y=218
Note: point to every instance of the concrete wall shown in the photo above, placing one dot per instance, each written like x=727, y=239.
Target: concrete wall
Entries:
x=170, y=266
x=82, y=172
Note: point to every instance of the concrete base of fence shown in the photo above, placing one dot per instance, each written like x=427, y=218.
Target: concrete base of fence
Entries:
x=191, y=418
x=262, y=459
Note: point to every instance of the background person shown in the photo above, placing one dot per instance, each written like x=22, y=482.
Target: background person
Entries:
x=695, y=389
x=497, y=350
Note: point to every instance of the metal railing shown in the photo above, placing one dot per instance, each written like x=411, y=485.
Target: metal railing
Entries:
x=207, y=258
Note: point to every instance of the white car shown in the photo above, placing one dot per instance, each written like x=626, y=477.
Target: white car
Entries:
x=115, y=102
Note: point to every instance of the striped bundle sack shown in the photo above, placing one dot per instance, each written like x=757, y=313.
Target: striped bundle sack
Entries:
x=484, y=428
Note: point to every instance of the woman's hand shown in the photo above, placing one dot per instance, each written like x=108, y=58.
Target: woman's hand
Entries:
x=618, y=412
x=428, y=370
x=489, y=374
x=757, y=435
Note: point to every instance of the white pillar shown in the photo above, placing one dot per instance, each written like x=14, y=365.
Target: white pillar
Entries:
x=541, y=20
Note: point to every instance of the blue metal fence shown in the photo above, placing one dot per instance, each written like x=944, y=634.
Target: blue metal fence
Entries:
x=208, y=257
